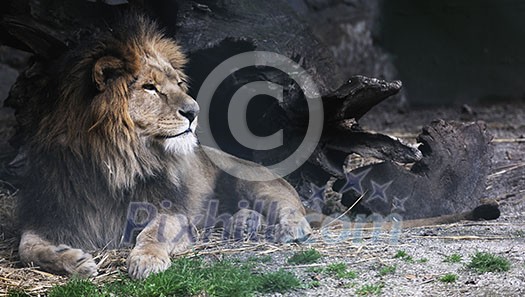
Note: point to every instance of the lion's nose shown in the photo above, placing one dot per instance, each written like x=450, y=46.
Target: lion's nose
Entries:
x=190, y=111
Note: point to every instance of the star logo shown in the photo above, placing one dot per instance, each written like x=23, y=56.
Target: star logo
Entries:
x=399, y=203
x=353, y=181
x=317, y=198
x=378, y=191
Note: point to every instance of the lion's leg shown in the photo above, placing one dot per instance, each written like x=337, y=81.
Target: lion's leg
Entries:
x=59, y=259
x=164, y=236
x=292, y=226
x=281, y=206
x=288, y=220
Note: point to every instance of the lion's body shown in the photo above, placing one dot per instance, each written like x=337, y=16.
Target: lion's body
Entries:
x=121, y=131
x=80, y=211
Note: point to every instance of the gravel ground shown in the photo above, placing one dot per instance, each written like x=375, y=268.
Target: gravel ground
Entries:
x=421, y=277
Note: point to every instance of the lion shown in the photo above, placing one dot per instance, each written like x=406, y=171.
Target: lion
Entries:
x=121, y=130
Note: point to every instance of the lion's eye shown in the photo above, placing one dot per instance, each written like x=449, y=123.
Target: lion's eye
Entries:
x=149, y=87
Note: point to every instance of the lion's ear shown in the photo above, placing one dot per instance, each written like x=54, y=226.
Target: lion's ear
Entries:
x=106, y=69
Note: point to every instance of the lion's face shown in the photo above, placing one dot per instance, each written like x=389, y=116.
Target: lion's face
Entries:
x=119, y=101
x=160, y=108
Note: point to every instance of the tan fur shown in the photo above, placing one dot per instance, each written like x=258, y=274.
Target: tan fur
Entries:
x=112, y=137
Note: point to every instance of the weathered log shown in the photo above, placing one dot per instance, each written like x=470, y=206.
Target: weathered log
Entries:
x=36, y=37
x=356, y=97
x=450, y=177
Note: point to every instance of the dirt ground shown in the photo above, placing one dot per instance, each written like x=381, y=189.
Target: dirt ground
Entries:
x=366, y=256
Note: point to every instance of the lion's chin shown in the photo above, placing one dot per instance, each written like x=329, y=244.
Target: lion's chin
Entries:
x=181, y=145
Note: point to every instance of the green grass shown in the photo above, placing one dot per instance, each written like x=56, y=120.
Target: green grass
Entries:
x=305, y=257
x=274, y=282
x=448, y=278
x=422, y=260
x=370, y=289
x=341, y=271
x=485, y=262
x=189, y=277
x=453, y=258
x=403, y=256
x=387, y=270
x=76, y=287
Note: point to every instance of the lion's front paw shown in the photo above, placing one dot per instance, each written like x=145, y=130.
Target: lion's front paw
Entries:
x=145, y=261
x=76, y=261
x=293, y=229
